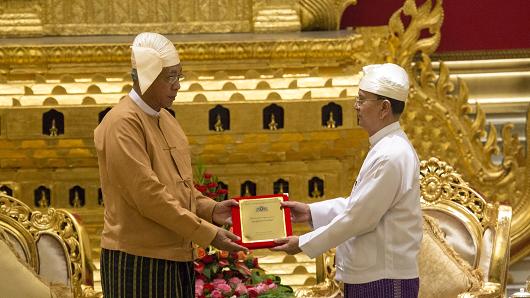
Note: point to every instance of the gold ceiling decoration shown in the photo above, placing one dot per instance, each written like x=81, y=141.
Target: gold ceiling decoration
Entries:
x=438, y=121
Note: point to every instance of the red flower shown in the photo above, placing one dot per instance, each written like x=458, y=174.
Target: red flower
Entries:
x=252, y=293
x=207, y=259
x=202, y=188
x=268, y=281
x=222, y=191
x=211, y=185
x=255, y=263
x=208, y=287
x=207, y=175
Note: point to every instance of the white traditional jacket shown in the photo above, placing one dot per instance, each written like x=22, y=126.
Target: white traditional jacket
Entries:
x=377, y=229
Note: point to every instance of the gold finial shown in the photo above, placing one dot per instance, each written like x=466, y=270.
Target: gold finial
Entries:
x=218, y=124
x=53, y=129
x=43, y=203
x=76, y=202
x=273, y=125
x=247, y=191
x=315, y=193
x=331, y=122
x=281, y=188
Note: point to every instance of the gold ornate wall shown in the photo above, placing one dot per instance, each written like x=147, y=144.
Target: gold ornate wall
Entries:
x=118, y=17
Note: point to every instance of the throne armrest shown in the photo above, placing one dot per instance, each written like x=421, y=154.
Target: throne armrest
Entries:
x=488, y=290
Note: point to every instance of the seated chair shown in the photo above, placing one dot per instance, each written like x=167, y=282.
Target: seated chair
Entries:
x=478, y=231
x=51, y=243
x=466, y=241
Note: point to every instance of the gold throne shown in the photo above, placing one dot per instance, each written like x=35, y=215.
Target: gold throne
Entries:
x=478, y=231
x=51, y=243
x=466, y=241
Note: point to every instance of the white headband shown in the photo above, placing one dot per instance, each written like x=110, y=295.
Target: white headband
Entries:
x=150, y=53
x=387, y=79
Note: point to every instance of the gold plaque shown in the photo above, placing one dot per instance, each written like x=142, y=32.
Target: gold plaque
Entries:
x=260, y=220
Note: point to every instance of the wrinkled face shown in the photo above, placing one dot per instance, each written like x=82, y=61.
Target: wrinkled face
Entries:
x=368, y=108
x=164, y=89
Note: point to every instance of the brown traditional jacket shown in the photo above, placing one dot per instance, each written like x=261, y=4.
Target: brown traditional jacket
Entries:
x=152, y=208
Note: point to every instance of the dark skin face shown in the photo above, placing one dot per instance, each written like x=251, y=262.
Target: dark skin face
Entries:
x=162, y=92
x=373, y=114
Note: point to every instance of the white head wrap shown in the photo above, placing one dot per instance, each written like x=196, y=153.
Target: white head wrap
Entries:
x=150, y=53
x=387, y=79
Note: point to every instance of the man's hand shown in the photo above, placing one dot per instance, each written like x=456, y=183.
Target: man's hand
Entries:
x=222, y=212
x=289, y=245
x=224, y=240
x=300, y=212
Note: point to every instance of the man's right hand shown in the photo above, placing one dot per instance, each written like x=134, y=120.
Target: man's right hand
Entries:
x=224, y=240
x=300, y=212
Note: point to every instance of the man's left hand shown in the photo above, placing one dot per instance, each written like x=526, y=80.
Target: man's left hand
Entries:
x=289, y=245
x=222, y=212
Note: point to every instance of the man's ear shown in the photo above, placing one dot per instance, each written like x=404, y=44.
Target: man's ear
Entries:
x=386, y=109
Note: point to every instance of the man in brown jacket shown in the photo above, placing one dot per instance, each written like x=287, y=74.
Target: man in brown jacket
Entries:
x=153, y=213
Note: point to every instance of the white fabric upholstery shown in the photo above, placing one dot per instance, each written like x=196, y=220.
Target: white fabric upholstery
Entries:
x=486, y=252
x=17, y=280
x=17, y=246
x=457, y=235
x=52, y=258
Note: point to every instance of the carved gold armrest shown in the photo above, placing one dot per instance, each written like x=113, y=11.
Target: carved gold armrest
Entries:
x=488, y=290
x=89, y=292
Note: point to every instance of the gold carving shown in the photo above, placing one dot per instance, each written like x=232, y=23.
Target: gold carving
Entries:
x=316, y=194
x=43, y=201
x=327, y=285
x=322, y=14
x=273, y=125
x=56, y=222
x=80, y=17
x=330, y=123
x=53, y=129
x=330, y=49
x=218, y=124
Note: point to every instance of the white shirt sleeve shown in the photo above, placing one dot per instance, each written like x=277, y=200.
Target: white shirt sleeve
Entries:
x=322, y=213
x=373, y=196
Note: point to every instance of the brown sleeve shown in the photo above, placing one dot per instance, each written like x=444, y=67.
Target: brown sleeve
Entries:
x=205, y=205
x=129, y=169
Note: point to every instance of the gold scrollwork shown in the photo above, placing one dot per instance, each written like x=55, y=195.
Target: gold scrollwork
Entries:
x=54, y=222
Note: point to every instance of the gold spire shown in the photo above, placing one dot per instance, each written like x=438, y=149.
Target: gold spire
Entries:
x=218, y=124
x=43, y=203
x=53, y=129
x=247, y=191
x=315, y=193
x=331, y=122
x=76, y=202
x=273, y=125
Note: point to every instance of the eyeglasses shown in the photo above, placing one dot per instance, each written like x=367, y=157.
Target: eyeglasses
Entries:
x=173, y=79
x=359, y=102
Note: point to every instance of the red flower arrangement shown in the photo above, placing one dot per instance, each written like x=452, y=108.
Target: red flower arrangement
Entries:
x=209, y=186
x=220, y=274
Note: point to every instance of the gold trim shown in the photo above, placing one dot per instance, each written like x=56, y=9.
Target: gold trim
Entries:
x=481, y=55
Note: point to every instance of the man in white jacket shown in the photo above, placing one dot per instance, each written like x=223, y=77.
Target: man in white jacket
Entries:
x=377, y=229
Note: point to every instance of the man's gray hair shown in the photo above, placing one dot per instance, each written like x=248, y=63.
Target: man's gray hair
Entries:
x=134, y=75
